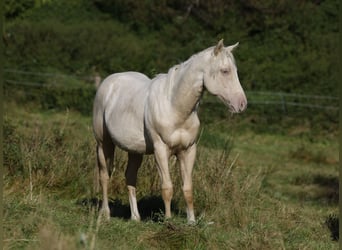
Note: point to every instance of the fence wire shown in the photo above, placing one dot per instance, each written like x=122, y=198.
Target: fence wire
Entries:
x=14, y=77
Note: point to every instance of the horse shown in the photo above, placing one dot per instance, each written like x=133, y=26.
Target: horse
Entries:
x=160, y=116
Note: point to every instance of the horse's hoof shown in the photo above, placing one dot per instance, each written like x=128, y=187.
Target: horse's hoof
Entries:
x=192, y=222
x=135, y=218
x=105, y=213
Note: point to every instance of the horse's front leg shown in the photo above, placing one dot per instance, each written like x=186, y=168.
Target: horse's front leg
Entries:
x=162, y=154
x=186, y=160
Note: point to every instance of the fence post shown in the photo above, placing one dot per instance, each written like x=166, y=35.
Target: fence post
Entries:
x=97, y=80
x=283, y=102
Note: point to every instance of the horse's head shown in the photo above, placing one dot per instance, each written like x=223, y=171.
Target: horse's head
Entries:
x=221, y=78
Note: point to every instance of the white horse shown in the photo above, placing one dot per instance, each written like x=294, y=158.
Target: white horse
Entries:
x=159, y=116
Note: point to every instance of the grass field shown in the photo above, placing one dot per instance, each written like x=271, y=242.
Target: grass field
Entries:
x=253, y=189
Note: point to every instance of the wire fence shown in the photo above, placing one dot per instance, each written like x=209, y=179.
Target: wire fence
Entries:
x=30, y=79
x=286, y=100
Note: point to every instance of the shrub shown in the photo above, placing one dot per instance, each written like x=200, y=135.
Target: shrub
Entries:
x=62, y=98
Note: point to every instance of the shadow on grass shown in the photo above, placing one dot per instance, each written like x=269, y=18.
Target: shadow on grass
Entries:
x=328, y=192
x=328, y=187
x=332, y=223
x=150, y=207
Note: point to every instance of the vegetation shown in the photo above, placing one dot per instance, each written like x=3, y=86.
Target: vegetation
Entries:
x=284, y=45
x=264, y=179
x=252, y=190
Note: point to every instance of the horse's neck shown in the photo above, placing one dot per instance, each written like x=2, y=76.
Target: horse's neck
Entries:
x=187, y=87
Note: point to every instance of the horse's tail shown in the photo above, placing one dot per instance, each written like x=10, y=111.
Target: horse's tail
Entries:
x=96, y=177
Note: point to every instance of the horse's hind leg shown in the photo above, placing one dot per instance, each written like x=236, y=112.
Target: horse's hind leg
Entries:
x=105, y=156
x=134, y=162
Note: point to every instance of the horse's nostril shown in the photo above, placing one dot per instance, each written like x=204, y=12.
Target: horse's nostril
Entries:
x=243, y=104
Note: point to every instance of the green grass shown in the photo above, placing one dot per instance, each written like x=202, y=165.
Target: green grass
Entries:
x=253, y=189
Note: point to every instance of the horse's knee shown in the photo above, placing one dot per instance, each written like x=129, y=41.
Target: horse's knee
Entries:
x=167, y=194
x=188, y=196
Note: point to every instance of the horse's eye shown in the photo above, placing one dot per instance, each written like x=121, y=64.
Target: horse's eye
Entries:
x=225, y=71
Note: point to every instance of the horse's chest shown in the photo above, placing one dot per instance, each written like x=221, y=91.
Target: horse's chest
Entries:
x=180, y=137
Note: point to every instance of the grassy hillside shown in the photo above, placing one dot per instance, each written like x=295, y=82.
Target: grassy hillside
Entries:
x=253, y=190
x=264, y=179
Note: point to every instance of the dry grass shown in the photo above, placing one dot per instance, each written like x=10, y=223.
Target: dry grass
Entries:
x=252, y=191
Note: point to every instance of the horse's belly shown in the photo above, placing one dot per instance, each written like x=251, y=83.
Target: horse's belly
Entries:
x=130, y=142
x=127, y=133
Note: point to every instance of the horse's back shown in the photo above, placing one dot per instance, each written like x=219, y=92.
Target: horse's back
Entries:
x=118, y=81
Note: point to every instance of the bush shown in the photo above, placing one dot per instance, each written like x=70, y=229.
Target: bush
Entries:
x=283, y=47
x=15, y=8
x=62, y=98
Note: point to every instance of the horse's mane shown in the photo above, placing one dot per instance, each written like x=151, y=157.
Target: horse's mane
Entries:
x=170, y=75
x=170, y=80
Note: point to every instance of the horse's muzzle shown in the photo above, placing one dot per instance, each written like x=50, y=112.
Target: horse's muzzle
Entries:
x=239, y=103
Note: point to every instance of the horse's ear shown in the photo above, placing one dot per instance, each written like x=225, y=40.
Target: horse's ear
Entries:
x=232, y=47
x=218, y=47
